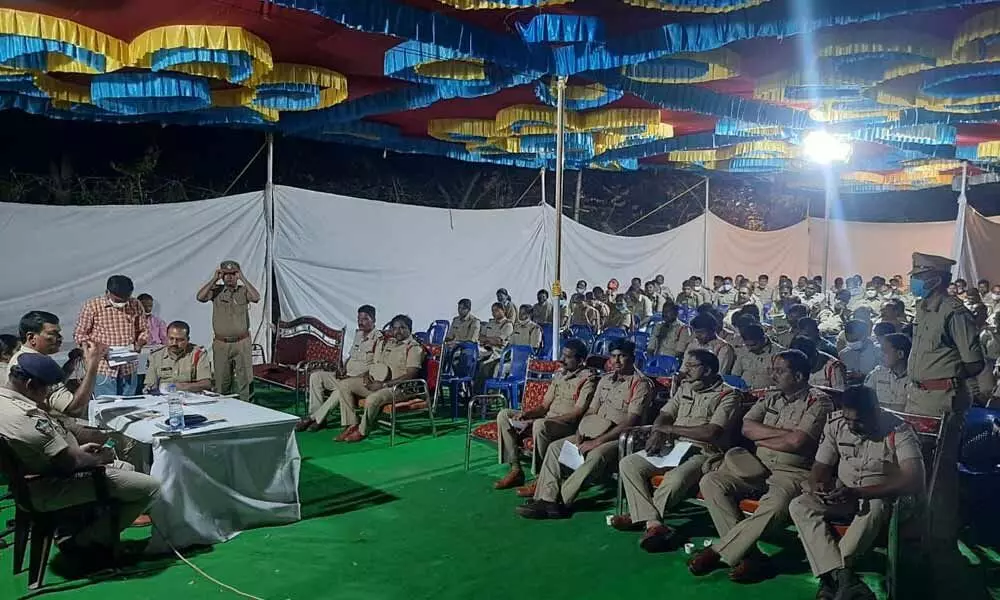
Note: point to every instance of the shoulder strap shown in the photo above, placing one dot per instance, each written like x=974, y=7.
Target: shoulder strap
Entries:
x=892, y=440
x=195, y=357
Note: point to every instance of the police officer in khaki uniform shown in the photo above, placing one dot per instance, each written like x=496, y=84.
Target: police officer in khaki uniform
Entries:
x=620, y=401
x=492, y=340
x=503, y=299
x=889, y=380
x=584, y=314
x=231, y=352
x=825, y=370
x=566, y=401
x=786, y=426
x=399, y=357
x=180, y=362
x=464, y=327
x=541, y=312
x=346, y=383
x=639, y=304
x=704, y=327
x=702, y=412
x=866, y=458
x=46, y=448
x=754, y=358
x=670, y=337
x=526, y=332
x=946, y=354
x=620, y=315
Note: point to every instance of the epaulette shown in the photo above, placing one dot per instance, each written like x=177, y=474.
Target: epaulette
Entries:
x=835, y=416
x=26, y=406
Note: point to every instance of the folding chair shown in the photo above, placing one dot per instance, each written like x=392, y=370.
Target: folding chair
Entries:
x=437, y=331
x=583, y=333
x=736, y=381
x=662, y=365
x=458, y=371
x=603, y=341
x=545, y=351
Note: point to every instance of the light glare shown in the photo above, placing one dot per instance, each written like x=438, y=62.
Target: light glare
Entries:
x=823, y=148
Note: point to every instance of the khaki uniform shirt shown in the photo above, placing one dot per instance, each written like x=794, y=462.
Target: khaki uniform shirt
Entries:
x=526, y=333
x=832, y=374
x=510, y=311
x=362, y=353
x=944, y=337
x=616, y=399
x=584, y=314
x=569, y=391
x=669, y=340
x=862, y=462
x=164, y=367
x=399, y=356
x=640, y=306
x=726, y=298
x=892, y=390
x=619, y=319
x=806, y=412
x=59, y=395
x=230, y=311
x=862, y=360
x=717, y=404
x=656, y=302
x=542, y=313
x=721, y=348
x=990, y=342
x=874, y=304
x=4, y=372
x=465, y=330
x=36, y=437
x=755, y=369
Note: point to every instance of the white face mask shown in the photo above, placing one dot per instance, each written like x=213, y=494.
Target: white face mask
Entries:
x=870, y=293
x=726, y=287
x=855, y=345
x=119, y=305
x=995, y=296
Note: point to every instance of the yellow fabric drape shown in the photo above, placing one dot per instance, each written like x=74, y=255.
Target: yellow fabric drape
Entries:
x=17, y=22
x=756, y=149
x=721, y=64
x=471, y=69
x=333, y=84
x=459, y=130
x=497, y=5
x=242, y=97
x=209, y=37
x=693, y=7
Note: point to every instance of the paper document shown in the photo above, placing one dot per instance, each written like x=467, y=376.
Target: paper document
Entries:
x=673, y=459
x=120, y=355
x=570, y=456
x=519, y=425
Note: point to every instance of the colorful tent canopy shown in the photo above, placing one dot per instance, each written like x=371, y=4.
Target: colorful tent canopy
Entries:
x=704, y=85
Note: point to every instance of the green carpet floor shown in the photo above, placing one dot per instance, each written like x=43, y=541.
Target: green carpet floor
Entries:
x=408, y=523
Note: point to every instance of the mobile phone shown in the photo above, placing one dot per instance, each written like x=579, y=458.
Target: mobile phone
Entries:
x=109, y=444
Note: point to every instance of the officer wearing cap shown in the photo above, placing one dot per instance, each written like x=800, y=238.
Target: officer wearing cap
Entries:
x=231, y=325
x=946, y=354
x=45, y=448
x=866, y=458
x=786, y=426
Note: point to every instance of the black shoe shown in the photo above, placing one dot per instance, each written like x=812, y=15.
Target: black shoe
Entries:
x=851, y=587
x=541, y=509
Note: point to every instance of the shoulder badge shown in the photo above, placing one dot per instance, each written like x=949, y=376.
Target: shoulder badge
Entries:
x=44, y=426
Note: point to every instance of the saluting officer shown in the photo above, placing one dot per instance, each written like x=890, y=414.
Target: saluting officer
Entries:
x=231, y=351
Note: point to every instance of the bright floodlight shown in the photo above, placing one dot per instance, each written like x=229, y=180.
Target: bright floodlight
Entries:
x=823, y=148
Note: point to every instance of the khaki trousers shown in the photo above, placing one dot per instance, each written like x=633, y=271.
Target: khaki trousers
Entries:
x=826, y=554
x=543, y=433
x=134, y=492
x=233, y=365
x=647, y=504
x=320, y=403
x=373, y=408
x=346, y=392
x=551, y=483
x=738, y=535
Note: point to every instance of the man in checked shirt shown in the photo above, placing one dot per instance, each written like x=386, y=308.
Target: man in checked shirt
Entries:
x=114, y=319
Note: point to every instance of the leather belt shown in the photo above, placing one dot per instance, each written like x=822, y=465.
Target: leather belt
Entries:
x=937, y=385
x=232, y=339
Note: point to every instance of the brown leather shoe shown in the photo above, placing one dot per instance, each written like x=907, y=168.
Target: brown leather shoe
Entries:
x=704, y=562
x=346, y=432
x=303, y=424
x=142, y=521
x=657, y=539
x=314, y=427
x=752, y=569
x=354, y=436
x=624, y=523
x=527, y=491
x=540, y=509
x=514, y=477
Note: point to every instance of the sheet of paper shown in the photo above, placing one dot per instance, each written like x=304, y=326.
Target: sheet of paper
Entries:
x=570, y=456
x=519, y=425
x=671, y=459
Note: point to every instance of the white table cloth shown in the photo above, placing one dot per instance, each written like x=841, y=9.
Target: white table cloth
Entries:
x=237, y=471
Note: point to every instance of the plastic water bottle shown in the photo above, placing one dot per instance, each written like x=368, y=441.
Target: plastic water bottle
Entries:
x=175, y=409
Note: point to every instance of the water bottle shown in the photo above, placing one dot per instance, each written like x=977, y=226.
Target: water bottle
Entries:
x=175, y=409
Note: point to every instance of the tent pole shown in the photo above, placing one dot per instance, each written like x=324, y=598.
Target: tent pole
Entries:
x=579, y=190
x=705, y=234
x=269, y=275
x=832, y=195
x=560, y=156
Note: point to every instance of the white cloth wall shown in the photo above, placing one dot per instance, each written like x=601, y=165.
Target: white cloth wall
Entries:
x=734, y=251
x=56, y=257
x=875, y=248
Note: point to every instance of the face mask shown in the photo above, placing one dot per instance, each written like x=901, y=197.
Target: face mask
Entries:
x=726, y=287
x=855, y=345
x=581, y=289
x=870, y=294
x=995, y=296
x=621, y=307
x=119, y=305
x=918, y=287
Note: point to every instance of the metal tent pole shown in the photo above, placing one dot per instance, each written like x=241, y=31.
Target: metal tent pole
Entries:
x=560, y=156
x=269, y=275
x=705, y=235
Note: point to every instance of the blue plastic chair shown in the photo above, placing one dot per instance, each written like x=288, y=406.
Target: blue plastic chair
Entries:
x=641, y=339
x=686, y=314
x=766, y=313
x=512, y=372
x=437, y=331
x=583, y=333
x=648, y=327
x=545, y=351
x=662, y=365
x=602, y=341
x=422, y=337
x=736, y=381
x=640, y=359
x=458, y=369
x=723, y=308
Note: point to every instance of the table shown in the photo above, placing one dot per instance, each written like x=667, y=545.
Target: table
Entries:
x=237, y=471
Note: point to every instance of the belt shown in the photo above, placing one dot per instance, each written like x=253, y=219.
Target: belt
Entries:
x=937, y=385
x=232, y=339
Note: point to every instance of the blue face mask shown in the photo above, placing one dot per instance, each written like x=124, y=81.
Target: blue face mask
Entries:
x=918, y=287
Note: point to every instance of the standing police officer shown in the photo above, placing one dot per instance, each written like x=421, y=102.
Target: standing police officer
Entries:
x=231, y=324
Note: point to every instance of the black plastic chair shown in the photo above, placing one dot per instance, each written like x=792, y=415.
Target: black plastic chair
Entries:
x=40, y=527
